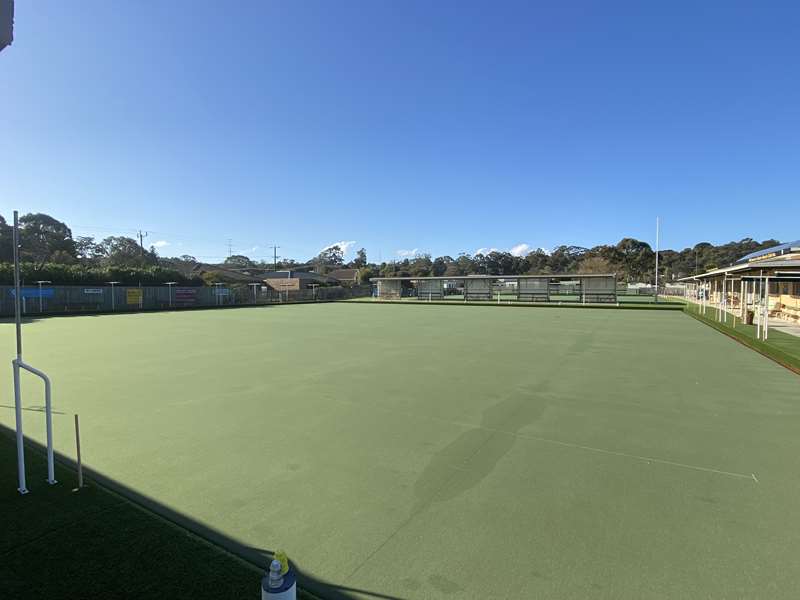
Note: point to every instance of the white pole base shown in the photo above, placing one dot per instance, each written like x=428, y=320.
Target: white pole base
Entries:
x=287, y=591
x=275, y=586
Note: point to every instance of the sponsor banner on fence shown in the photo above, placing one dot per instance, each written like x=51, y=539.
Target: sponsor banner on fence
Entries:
x=133, y=295
x=186, y=295
x=33, y=292
x=221, y=291
x=93, y=290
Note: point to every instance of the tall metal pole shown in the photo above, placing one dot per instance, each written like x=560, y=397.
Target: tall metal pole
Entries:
x=18, y=364
x=22, y=486
x=657, y=241
x=17, y=294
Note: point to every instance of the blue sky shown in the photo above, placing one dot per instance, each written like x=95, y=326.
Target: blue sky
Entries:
x=437, y=127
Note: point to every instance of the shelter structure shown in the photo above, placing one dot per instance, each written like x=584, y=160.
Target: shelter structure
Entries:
x=573, y=287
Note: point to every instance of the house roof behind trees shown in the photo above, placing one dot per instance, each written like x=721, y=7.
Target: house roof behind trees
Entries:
x=302, y=275
x=344, y=274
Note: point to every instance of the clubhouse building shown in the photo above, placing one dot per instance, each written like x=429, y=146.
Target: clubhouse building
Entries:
x=770, y=276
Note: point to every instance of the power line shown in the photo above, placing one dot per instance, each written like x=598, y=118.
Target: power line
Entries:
x=187, y=240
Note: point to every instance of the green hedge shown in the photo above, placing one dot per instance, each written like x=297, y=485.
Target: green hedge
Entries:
x=60, y=274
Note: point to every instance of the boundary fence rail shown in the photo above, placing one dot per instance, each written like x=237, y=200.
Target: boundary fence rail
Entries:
x=76, y=299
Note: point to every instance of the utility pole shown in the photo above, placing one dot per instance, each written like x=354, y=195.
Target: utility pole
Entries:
x=274, y=257
x=142, y=235
x=230, y=246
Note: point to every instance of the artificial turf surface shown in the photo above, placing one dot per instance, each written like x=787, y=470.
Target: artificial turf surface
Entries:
x=432, y=451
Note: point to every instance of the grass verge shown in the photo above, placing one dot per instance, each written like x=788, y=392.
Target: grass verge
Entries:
x=780, y=347
x=93, y=543
x=666, y=305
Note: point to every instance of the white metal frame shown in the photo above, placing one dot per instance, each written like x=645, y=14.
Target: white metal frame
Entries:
x=17, y=364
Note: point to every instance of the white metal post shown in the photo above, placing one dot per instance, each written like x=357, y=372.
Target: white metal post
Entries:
x=169, y=285
x=21, y=484
x=40, y=293
x=703, y=298
x=254, y=286
x=725, y=299
x=766, y=310
x=742, y=301
x=758, y=312
x=113, y=300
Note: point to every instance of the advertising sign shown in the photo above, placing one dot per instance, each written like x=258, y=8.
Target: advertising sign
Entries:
x=33, y=292
x=133, y=295
x=185, y=295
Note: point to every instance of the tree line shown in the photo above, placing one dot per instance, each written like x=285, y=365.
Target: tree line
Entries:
x=50, y=252
x=632, y=260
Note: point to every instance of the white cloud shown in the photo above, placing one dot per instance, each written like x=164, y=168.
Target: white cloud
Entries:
x=160, y=244
x=408, y=253
x=254, y=248
x=520, y=250
x=344, y=245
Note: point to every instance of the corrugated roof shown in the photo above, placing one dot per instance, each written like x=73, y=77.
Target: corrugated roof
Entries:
x=779, y=249
x=471, y=277
x=766, y=264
